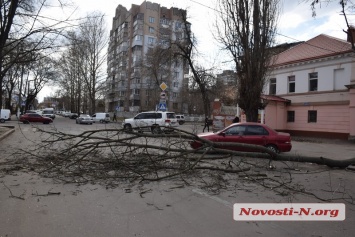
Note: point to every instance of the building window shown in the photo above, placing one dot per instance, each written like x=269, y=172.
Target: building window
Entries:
x=138, y=37
x=151, y=29
x=313, y=81
x=177, y=25
x=176, y=75
x=151, y=19
x=150, y=40
x=135, y=91
x=312, y=116
x=175, y=105
x=164, y=21
x=291, y=84
x=174, y=94
x=272, y=89
x=290, y=116
x=176, y=84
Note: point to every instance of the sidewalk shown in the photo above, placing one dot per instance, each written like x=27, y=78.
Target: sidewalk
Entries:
x=6, y=130
x=328, y=148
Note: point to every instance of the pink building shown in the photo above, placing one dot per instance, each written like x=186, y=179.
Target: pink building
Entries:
x=311, y=89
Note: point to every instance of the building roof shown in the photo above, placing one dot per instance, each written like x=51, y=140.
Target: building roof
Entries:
x=318, y=47
x=273, y=98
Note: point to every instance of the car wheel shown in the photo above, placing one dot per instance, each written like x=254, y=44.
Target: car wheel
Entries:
x=76, y=121
x=272, y=148
x=26, y=122
x=156, y=129
x=2, y=120
x=181, y=122
x=127, y=128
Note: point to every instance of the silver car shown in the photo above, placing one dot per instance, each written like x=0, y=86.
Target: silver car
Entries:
x=84, y=118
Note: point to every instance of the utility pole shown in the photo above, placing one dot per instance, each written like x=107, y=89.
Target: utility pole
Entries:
x=19, y=108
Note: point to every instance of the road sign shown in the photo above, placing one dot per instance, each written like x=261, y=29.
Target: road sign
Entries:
x=163, y=86
x=162, y=95
x=162, y=106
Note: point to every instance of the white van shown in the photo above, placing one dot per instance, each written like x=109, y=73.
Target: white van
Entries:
x=101, y=117
x=48, y=112
x=5, y=115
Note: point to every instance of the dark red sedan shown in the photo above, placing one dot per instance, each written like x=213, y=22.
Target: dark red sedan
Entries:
x=33, y=117
x=249, y=133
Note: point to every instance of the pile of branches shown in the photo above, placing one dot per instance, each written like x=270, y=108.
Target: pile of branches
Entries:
x=114, y=156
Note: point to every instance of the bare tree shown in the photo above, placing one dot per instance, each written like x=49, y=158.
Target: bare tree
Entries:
x=69, y=68
x=81, y=64
x=185, y=48
x=21, y=21
x=246, y=28
x=155, y=70
x=41, y=72
x=93, y=51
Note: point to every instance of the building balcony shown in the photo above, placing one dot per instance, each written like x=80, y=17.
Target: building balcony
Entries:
x=134, y=97
x=137, y=42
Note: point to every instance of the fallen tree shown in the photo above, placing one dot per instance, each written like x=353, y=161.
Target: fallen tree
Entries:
x=112, y=157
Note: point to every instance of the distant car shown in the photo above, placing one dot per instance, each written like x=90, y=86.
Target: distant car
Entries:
x=101, y=117
x=180, y=118
x=84, y=118
x=48, y=112
x=34, y=117
x=73, y=115
x=66, y=114
x=5, y=115
x=154, y=121
x=249, y=133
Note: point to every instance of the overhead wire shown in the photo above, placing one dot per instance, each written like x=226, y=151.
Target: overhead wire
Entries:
x=289, y=37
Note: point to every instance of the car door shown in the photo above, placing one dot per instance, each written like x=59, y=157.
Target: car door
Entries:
x=32, y=118
x=233, y=134
x=139, y=120
x=256, y=135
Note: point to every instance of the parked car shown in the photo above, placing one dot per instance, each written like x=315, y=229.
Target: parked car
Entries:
x=101, y=117
x=249, y=133
x=73, y=115
x=66, y=114
x=84, y=118
x=34, y=117
x=180, y=118
x=5, y=115
x=154, y=121
x=48, y=112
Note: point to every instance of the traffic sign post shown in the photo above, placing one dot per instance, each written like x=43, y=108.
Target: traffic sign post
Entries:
x=162, y=103
x=162, y=106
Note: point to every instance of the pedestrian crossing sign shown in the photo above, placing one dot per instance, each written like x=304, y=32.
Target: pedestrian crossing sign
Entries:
x=162, y=107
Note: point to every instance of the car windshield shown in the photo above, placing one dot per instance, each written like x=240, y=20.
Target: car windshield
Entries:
x=84, y=115
x=48, y=111
x=170, y=115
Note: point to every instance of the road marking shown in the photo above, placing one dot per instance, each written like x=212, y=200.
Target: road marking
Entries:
x=217, y=199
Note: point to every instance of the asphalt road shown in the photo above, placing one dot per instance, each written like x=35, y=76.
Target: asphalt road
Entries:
x=34, y=206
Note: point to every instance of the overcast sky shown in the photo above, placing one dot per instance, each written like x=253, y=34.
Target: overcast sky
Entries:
x=295, y=24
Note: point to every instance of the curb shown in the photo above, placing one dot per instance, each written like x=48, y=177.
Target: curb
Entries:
x=7, y=133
